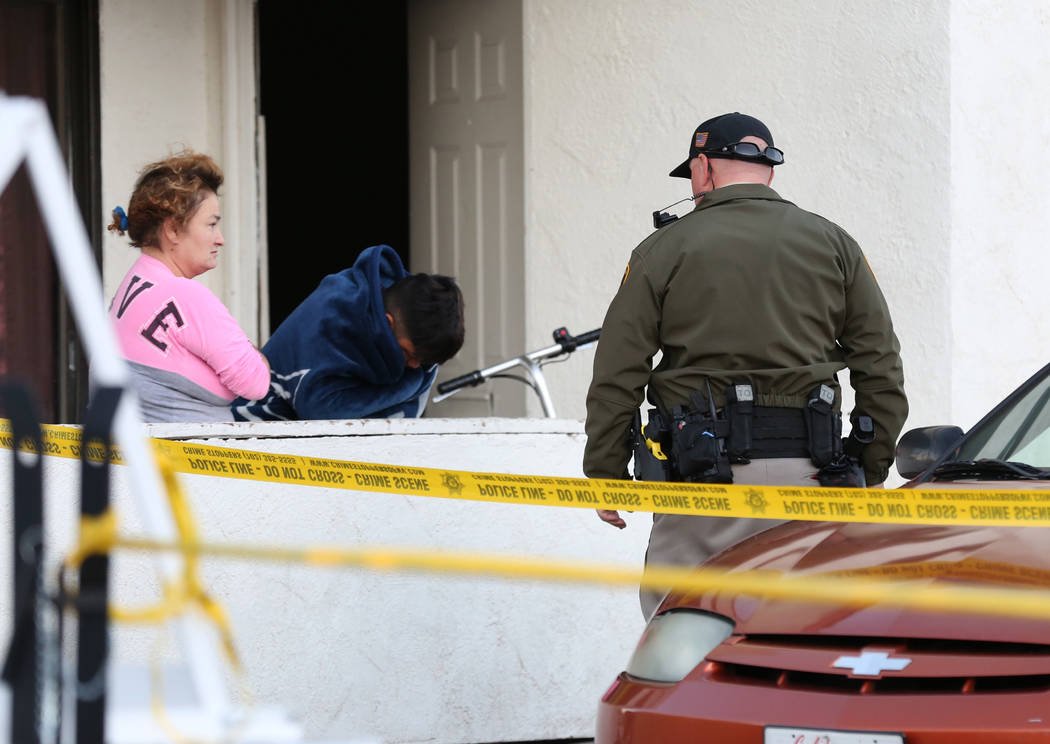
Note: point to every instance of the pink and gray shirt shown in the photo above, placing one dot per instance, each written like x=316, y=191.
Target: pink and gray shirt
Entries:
x=189, y=358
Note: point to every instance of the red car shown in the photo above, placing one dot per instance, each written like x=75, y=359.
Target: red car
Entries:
x=739, y=669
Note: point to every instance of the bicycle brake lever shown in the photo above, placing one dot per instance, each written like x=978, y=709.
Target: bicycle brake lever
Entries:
x=564, y=339
x=442, y=396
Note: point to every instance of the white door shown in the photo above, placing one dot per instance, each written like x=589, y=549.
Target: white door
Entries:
x=466, y=181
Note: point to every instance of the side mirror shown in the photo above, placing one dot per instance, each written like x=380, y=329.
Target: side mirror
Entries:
x=919, y=448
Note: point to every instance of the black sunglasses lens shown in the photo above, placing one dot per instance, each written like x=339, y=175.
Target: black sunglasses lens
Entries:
x=751, y=150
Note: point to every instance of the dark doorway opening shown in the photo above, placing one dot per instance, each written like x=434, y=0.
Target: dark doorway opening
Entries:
x=333, y=82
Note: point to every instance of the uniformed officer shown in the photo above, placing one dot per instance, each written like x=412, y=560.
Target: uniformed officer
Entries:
x=746, y=289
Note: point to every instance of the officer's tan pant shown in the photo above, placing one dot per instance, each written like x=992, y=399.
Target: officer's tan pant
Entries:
x=686, y=540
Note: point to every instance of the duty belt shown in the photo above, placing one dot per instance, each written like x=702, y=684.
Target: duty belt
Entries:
x=700, y=443
x=778, y=432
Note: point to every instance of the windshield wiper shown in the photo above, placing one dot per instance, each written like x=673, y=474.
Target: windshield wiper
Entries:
x=991, y=469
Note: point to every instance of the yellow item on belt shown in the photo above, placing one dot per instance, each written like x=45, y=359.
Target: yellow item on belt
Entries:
x=656, y=449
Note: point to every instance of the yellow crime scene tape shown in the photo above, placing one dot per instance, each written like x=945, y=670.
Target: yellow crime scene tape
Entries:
x=882, y=584
x=892, y=506
x=855, y=588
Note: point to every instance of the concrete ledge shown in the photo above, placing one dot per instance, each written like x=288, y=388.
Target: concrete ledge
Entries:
x=364, y=427
x=397, y=657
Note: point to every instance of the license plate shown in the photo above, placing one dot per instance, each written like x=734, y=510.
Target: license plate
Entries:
x=792, y=735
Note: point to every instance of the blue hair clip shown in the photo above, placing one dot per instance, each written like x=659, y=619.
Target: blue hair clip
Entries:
x=119, y=212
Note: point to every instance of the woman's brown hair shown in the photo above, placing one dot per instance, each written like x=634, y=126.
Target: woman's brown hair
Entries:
x=173, y=188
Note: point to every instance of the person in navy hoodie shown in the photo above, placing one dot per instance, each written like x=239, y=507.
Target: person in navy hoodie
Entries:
x=365, y=344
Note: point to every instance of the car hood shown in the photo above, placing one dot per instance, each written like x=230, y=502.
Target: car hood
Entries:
x=926, y=554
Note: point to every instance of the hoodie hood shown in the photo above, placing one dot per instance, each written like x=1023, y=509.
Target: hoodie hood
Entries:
x=346, y=313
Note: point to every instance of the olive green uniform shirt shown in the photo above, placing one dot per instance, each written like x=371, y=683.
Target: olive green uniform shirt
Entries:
x=745, y=288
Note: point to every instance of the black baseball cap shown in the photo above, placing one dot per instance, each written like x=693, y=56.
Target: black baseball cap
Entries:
x=715, y=134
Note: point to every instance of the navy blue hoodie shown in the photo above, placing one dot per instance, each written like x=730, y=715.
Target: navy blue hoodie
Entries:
x=336, y=357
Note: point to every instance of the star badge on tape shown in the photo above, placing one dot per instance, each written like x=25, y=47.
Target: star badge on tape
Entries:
x=452, y=483
x=756, y=501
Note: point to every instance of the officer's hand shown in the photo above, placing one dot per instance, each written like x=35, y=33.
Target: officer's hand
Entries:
x=612, y=517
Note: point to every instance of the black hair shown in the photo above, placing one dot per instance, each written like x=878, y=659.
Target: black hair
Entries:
x=428, y=310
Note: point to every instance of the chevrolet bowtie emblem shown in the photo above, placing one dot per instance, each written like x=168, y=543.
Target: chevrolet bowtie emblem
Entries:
x=871, y=663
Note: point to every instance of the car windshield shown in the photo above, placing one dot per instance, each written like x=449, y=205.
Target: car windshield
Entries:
x=1018, y=430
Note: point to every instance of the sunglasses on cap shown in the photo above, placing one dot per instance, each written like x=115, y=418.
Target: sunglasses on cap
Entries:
x=749, y=151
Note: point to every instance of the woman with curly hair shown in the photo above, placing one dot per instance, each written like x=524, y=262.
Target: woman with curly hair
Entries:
x=189, y=357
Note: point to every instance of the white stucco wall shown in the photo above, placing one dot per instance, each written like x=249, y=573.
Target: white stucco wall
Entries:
x=856, y=95
x=160, y=68
x=393, y=656
x=999, y=200
x=174, y=76
x=887, y=115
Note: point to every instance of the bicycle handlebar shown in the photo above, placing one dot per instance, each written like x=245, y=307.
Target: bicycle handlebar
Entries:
x=570, y=343
x=469, y=379
x=565, y=343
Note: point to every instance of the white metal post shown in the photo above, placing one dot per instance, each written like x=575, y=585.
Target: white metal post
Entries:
x=26, y=134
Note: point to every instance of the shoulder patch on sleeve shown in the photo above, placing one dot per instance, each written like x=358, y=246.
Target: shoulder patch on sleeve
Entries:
x=626, y=273
x=869, y=267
